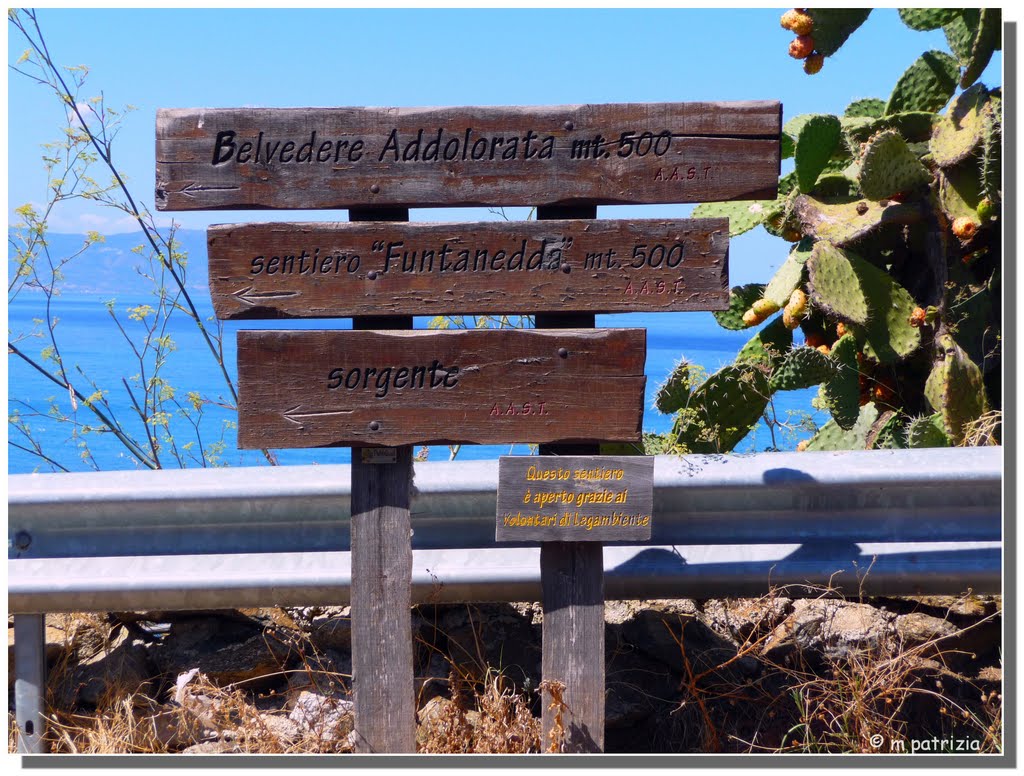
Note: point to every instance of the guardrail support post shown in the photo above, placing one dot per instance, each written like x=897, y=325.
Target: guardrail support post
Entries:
x=30, y=682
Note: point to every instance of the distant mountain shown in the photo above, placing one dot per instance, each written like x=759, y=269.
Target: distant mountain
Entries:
x=111, y=268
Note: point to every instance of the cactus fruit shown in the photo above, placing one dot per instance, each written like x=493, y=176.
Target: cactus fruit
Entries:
x=814, y=63
x=801, y=47
x=765, y=307
x=926, y=85
x=802, y=445
x=987, y=209
x=673, y=394
x=816, y=141
x=723, y=409
x=797, y=21
x=795, y=309
x=955, y=388
x=964, y=228
x=802, y=368
x=889, y=167
x=740, y=300
x=918, y=318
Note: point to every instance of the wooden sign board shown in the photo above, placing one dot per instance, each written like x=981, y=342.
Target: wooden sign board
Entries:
x=632, y=153
x=380, y=268
x=485, y=386
x=575, y=498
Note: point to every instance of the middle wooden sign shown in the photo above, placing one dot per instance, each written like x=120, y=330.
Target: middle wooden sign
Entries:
x=318, y=270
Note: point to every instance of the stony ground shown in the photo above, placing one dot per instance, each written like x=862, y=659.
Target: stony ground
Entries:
x=773, y=674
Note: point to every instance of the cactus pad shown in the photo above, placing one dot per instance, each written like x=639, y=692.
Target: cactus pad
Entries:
x=854, y=290
x=927, y=431
x=841, y=393
x=723, y=409
x=869, y=107
x=817, y=139
x=926, y=85
x=787, y=278
x=832, y=437
x=740, y=300
x=768, y=347
x=986, y=42
x=960, y=191
x=802, y=368
x=922, y=19
x=673, y=394
x=843, y=220
x=955, y=388
x=889, y=167
x=743, y=216
x=832, y=26
x=834, y=284
x=958, y=133
x=912, y=125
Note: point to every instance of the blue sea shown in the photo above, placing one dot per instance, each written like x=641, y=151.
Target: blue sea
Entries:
x=96, y=352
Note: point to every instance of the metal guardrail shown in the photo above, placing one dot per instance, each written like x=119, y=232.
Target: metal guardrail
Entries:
x=881, y=522
x=924, y=521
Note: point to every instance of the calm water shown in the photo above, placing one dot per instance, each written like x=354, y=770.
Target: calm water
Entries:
x=92, y=343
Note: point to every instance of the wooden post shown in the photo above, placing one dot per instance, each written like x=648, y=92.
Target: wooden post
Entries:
x=382, y=655
x=572, y=591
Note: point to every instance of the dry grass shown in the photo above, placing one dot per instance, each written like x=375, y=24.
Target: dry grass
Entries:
x=832, y=702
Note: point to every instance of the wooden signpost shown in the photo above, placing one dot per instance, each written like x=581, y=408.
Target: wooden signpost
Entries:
x=369, y=269
x=372, y=157
x=381, y=388
x=485, y=386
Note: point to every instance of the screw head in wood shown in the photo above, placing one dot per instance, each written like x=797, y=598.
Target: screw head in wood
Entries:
x=375, y=189
x=566, y=269
x=563, y=353
x=372, y=274
x=374, y=425
x=568, y=126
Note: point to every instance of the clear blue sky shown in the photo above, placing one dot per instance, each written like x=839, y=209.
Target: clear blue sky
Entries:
x=404, y=57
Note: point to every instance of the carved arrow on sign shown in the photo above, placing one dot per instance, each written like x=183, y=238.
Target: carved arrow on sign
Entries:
x=187, y=190
x=291, y=414
x=257, y=297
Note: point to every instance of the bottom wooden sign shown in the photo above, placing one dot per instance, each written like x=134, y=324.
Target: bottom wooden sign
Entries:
x=486, y=386
x=574, y=498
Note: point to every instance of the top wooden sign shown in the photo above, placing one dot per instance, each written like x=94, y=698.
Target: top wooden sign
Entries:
x=631, y=153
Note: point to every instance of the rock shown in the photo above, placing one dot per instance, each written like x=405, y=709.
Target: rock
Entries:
x=917, y=629
x=283, y=730
x=227, y=651
x=328, y=718
x=214, y=747
x=832, y=627
x=665, y=636
x=331, y=632
x=330, y=674
x=121, y=668
x=745, y=619
x=489, y=635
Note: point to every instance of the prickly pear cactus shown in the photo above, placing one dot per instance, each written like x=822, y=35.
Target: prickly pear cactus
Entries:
x=673, y=394
x=895, y=211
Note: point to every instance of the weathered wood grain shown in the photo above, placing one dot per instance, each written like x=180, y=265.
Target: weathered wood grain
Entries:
x=382, y=653
x=327, y=388
x=630, y=153
x=316, y=270
x=574, y=498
